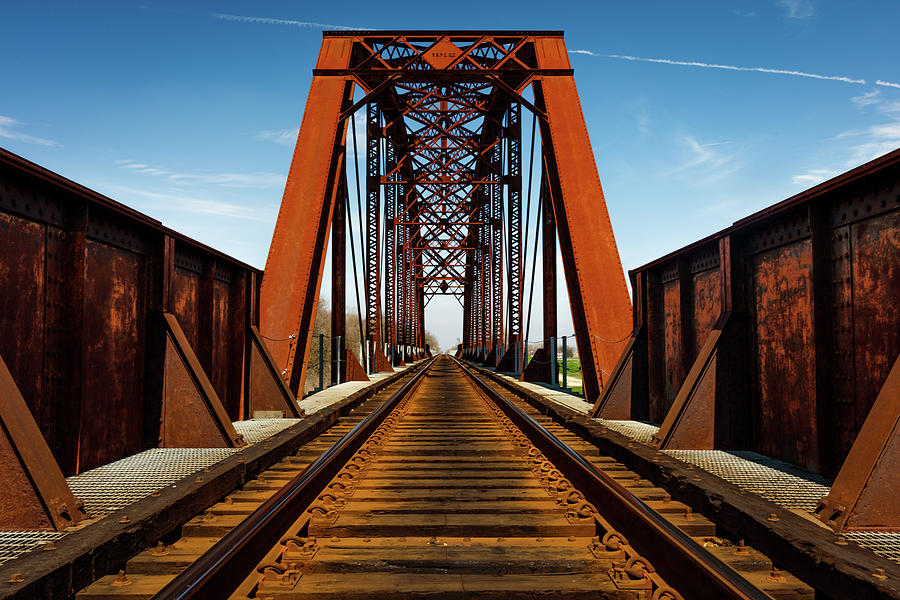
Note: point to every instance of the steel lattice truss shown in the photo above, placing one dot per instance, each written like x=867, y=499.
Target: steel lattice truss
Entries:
x=443, y=194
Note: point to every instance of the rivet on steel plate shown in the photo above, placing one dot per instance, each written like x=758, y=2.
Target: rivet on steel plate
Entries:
x=742, y=548
x=571, y=538
x=125, y=519
x=879, y=574
x=840, y=540
x=15, y=578
x=773, y=517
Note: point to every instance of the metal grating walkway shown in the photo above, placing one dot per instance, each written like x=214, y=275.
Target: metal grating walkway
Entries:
x=16, y=543
x=257, y=430
x=882, y=543
x=123, y=482
x=636, y=430
x=782, y=483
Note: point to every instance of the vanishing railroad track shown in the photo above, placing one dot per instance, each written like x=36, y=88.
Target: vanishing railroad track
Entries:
x=447, y=485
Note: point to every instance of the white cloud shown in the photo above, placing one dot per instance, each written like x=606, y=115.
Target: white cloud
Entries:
x=291, y=22
x=798, y=9
x=7, y=127
x=715, y=208
x=887, y=83
x=878, y=139
x=705, y=155
x=705, y=163
x=867, y=99
x=285, y=137
x=705, y=65
x=814, y=176
x=233, y=180
x=176, y=202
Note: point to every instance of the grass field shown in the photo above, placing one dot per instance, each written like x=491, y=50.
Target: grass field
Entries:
x=573, y=367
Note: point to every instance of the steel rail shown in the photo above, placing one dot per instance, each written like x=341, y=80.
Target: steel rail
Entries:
x=219, y=572
x=681, y=561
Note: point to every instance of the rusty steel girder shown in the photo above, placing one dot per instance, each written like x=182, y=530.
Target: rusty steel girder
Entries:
x=443, y=110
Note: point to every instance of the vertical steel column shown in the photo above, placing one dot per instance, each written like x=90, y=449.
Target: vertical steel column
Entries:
x=338, y=280
x=514, y=221
x=391, y=194
x=496, y=193
x=373, y=232
x=548, y=272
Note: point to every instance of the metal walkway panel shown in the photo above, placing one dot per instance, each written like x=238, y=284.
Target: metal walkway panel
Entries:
x=16, y=543
x=636, y=430
x=258, y=430
x=118, y=484
x=882, y=543
x=782, y=483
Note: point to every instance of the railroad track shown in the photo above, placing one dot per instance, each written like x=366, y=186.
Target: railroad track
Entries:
x=446, y=485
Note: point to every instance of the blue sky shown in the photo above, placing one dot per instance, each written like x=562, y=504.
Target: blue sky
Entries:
x=188, y=111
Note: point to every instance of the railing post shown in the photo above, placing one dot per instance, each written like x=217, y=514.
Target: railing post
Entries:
x=321, y=361
x=553, y=365
x=338, y=359
x=565, y=365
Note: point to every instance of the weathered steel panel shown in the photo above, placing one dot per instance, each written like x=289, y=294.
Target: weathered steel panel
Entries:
x=674, y=352
x=875, y=247
x=22, y=246
x=785, y=369
x=656, y=348
x=114, y=346
x=707, y=305
x=222, y=365
x=185, y=305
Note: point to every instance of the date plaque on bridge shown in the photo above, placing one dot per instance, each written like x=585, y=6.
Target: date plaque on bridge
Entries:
x=442, y=54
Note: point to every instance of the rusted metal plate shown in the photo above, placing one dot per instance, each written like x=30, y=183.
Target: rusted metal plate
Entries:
x=875, y=258
x=22, y=246
x=780, y=280
x=707, y=305
x=674, y=335
x=185, y=303
x=115, y=337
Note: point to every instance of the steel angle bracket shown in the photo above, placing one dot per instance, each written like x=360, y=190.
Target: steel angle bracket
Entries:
x=34, y=494
x=192, y=413
x=864, y=494
x=267, y=390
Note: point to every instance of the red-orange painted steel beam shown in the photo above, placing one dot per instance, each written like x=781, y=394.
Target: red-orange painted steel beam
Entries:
x=293, y=274
x=601, y=308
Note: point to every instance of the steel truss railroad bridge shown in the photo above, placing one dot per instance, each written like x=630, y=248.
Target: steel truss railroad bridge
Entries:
x=772, y=344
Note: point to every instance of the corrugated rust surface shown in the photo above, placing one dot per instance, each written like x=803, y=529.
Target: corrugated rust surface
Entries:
x=812, y=285
x=82, y=282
